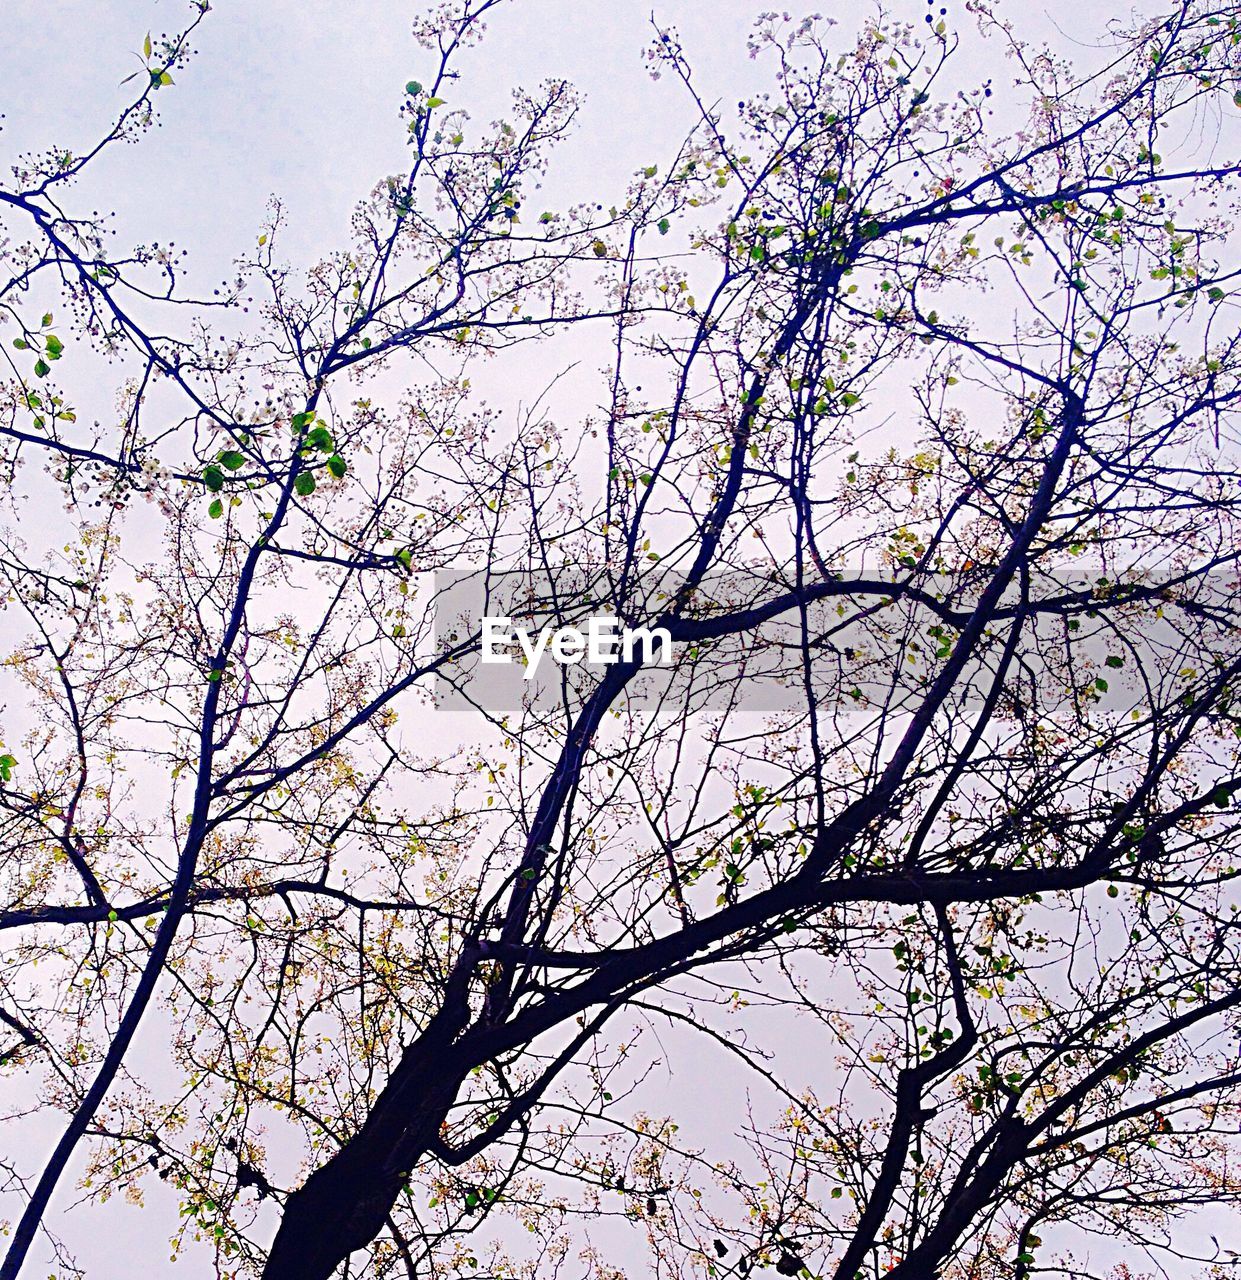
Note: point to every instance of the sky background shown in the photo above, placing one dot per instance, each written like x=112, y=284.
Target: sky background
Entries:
x=299, y=98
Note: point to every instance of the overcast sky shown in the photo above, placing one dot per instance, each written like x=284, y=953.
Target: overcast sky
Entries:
x=299, y=98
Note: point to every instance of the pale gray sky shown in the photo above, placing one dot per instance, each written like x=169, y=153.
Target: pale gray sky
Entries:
x=298, y=98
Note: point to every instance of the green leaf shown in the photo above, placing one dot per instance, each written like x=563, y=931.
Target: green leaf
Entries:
x=47, y=319
x=216, y=509
x=664, y=225
x=320, y=438
x=7, y=765
x=337, y=465
x=413, y=87
x=21, y=344
x=233, y=460
x=1114, y=661
x=1216, y=294
x=1101, y=685
x=213, y=478
x=434, y=102
x=305, y=484
x=54, y=347
x=42, y=368
x=300, y=420
x=146, y=46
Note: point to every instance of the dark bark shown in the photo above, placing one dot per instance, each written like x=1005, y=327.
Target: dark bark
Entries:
x=345, y=1203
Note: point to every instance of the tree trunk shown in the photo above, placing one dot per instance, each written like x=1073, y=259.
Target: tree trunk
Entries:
x=343, y=1205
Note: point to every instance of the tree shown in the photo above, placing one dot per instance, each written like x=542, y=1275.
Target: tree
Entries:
x=918, y=438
